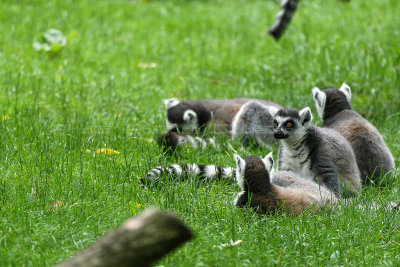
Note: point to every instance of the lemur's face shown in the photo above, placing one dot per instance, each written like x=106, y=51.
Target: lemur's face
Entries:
x=180, y=116
x=325, y=97
x=289, y=122
x=250, y=165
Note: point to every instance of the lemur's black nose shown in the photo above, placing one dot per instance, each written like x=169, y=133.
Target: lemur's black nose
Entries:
x=279, y=135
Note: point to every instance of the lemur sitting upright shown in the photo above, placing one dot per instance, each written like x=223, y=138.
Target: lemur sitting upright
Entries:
x=268, y=192
x=243, y=118
x=314, y=153
x=373, y=156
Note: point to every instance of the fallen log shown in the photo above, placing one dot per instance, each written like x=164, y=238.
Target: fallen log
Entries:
x=140, y=241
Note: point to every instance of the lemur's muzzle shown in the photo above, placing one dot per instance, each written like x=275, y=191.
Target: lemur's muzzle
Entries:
x=279, y=134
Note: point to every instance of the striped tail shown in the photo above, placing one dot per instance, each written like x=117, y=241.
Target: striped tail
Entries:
x=202, y=172
x=173, y=139
x=288, y=7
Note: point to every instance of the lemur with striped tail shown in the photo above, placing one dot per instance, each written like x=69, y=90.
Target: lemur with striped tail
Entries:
x=314, y=153
x=281, y=191
x=239, y=118
x=373, y=156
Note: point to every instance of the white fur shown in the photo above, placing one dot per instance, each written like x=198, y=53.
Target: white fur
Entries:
x=227, y=172
x=272, y=110
x=190, y=140
x=178, y=169
x=320, y=100
x=190, y=120
x=236, y=119
x=304, y=113
x=170, y=125
x=200, y=142
x=280, y=119
x=240, y=166
x=238, y=196
x=267, y=162
x=211, y=141
x=210, y=171
x=293, y=161
x=172, y=102
x=345, y=89
x=193, y=169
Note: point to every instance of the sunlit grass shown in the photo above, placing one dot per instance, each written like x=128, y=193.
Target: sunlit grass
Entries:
x=104, y=90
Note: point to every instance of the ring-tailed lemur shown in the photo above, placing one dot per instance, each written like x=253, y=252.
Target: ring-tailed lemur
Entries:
x=268, y=192
x=314, y=153
x=372, y=154
x=239, y=118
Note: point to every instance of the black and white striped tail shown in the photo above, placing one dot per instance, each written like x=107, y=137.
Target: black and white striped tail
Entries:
x=202, y=172
x=173, y=139
x=288, y=7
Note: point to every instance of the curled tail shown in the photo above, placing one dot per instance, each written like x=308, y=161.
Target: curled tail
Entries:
x=173, y=139
x=202, y=172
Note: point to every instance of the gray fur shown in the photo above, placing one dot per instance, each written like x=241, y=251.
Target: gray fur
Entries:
x=373, y=156
x=243, y=118
x=316, y=154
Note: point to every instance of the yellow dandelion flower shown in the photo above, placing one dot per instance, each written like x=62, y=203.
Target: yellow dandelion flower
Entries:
x=55, y=205
x=107, y=151
x=139, y=206
x=5, y=117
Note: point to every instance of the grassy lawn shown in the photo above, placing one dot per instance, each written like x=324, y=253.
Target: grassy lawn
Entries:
x=105, y=89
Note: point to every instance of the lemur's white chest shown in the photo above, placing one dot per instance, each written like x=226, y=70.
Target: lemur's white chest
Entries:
x=297, y=161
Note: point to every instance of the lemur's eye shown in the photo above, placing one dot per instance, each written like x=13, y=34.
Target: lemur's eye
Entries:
x=289, y=124
x=275, y=124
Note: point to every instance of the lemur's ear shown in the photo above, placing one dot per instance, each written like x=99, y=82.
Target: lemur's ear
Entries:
x=320, y=100
x=273, y=110
x=345, y=89
x=240, y=163
x=189, y=115
x=172, y=102
x=269, y=162
x=305, y=116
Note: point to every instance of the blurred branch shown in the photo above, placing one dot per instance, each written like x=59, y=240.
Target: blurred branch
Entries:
x=140, y=241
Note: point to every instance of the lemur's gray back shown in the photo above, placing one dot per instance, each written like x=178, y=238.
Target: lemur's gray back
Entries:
x=373, y=156
x=314, y=153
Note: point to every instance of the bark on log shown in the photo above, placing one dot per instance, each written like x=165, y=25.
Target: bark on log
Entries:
x=140, y=241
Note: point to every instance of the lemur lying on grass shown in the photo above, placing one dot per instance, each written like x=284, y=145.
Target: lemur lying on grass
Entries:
x=239, y=118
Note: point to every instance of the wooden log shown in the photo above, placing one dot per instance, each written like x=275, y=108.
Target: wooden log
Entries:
x=140, y=241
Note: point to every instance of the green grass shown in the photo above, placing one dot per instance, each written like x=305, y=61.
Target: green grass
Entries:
x=95, y=94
